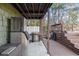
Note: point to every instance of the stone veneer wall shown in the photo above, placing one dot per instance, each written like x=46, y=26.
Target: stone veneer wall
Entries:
x=6, y=12
x=3, y=26
x=17, y=26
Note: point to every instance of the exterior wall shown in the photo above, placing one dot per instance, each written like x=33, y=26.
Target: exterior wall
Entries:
x=15, y=37
x=3, y=26
x=17, y=24
x=16, y=29
x=10, y=9
x=5, y=13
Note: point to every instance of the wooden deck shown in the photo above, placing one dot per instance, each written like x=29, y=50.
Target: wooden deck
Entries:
x=56, y=49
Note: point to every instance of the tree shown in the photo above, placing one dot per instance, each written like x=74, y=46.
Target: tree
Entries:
x=57, y=9
x=33, y=22
x=73, y=16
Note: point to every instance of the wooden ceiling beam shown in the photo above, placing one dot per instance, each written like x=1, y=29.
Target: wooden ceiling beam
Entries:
x=39, y=9
x=21, y=9
x=45, y=10
x=27, y=9
x=33, y=10
x=45, y=7
x=38, y=14
x=33, y=7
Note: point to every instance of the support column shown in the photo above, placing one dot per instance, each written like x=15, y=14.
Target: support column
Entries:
x=48, y=43
x=41, y=28
x=40, y=25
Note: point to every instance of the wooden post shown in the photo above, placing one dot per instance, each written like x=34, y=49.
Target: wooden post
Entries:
x=40, y=25
x=41, y=29
x=48, y=47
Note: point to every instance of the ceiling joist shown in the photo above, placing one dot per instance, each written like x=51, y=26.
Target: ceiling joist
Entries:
x=32, y=10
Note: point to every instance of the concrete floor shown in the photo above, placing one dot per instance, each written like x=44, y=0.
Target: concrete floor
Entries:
x=55, y=49
x=35, y=49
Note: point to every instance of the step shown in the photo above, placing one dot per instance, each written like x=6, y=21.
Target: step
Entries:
x=74, y=41
x=8, y=51
x=76, y=45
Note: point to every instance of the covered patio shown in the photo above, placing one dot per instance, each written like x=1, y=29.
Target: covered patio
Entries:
x=22, y=43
